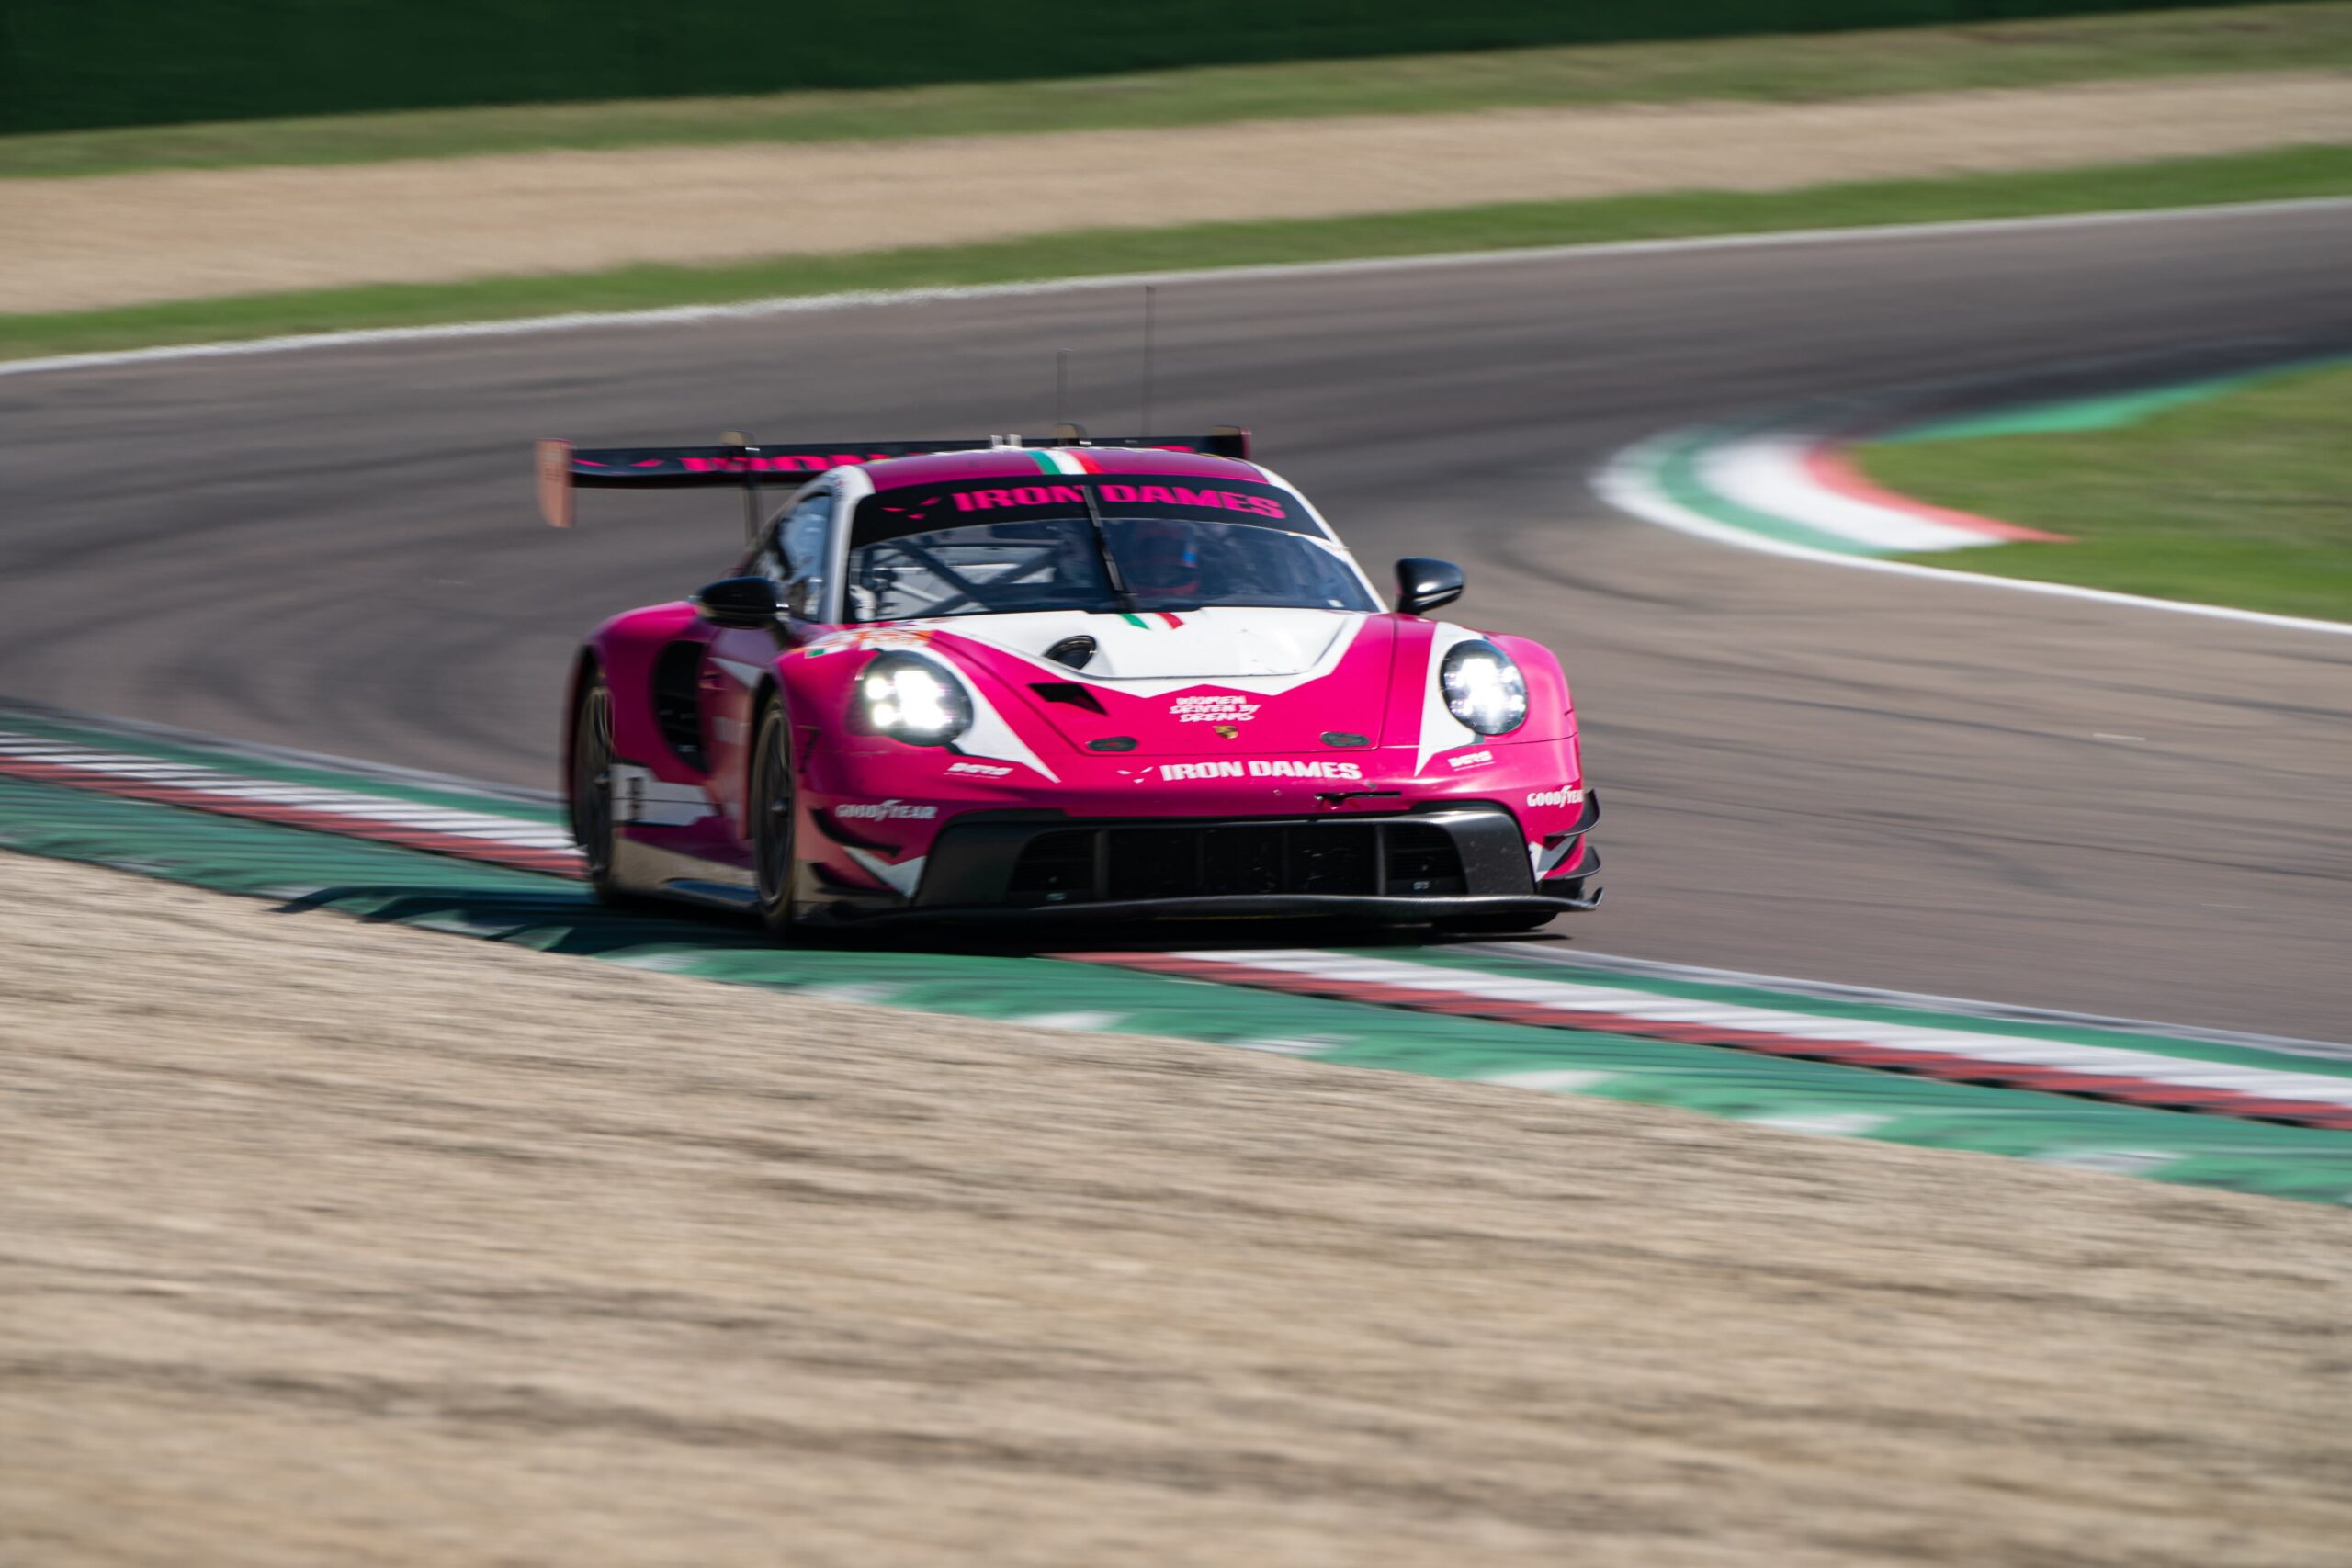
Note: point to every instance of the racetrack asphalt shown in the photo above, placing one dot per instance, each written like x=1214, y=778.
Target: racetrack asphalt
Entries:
x=1942, y=787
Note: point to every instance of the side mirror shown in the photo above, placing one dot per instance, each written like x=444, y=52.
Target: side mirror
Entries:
x=747, y=602
x=1424, y=584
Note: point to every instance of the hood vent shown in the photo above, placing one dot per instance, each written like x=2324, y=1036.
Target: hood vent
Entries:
x=1069, y=691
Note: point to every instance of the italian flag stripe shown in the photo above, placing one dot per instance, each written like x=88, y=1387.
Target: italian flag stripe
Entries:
x=1061, y=460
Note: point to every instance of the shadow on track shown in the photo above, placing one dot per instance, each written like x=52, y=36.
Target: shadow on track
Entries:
x=576, y=923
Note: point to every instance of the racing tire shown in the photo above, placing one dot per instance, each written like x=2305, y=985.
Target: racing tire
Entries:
x=770, y=803
x=591, y=787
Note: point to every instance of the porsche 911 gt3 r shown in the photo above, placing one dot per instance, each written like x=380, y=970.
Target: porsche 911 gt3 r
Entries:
x=1069, y=678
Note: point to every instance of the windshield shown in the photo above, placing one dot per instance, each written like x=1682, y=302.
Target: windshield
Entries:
x=976, y=550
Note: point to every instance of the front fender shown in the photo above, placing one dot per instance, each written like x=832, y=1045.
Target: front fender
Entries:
x=1551, y=708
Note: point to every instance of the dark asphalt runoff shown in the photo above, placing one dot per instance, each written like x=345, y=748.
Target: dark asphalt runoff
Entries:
x=1814, y=772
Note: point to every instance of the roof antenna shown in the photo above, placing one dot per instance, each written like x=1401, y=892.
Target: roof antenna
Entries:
x=1150, y=304
x=1061, y=387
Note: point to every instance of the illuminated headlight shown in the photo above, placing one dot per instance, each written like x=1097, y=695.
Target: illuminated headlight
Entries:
x=1483, y=688
x=911, y=699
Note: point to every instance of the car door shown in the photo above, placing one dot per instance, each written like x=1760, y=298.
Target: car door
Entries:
x=793, y=553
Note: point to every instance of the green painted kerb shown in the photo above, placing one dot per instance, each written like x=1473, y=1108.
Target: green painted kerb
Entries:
x=2115, y=410
x=305, y=872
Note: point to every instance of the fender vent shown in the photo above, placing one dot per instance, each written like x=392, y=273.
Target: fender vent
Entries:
x=677, y=707
x=1075, y=651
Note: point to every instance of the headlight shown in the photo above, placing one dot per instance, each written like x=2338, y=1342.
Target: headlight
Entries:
x=910, y=699
x=1483, y=688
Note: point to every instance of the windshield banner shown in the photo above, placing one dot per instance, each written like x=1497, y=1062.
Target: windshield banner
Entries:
x=920, y=509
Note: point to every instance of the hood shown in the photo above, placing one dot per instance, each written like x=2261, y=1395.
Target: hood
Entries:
x=1157, y=646
x=1199, y=682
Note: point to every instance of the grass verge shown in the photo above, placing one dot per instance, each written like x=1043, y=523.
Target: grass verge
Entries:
x=2245, y=499
x=2287, y=172
x=1839, y=65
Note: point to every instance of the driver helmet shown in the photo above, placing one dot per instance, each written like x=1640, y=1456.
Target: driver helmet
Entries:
x=1163, y=558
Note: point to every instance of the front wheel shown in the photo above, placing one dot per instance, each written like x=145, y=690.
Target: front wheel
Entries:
x=592, y=786
x=770, y=803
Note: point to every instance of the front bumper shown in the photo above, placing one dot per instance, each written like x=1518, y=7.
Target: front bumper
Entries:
x=1447, y=860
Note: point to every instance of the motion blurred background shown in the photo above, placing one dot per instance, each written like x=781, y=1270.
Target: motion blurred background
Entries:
x=333, y=1240
x=80, y=65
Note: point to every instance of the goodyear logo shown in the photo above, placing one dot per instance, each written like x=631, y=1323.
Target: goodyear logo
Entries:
x=881, y=810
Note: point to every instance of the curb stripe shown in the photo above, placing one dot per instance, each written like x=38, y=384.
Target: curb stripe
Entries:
x=2050, y=1065
x=467, y=835
x=1770, y=473
x=1829, y=464
x=2095, y=1072
x=1960, y=1012
x=1639, y=481
x=1677, y=465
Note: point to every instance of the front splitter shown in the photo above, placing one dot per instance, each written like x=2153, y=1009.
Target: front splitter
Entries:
x=1225, y=906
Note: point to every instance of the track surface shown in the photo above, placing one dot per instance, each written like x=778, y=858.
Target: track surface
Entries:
x=1813, y=772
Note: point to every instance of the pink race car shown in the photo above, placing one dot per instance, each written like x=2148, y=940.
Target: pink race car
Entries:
x=1085, y=680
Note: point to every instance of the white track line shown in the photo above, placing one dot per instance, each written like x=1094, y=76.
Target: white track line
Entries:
x=1626, y=482
x=372, y=809
x=1575, y=998
x=689, y=315
x=1584, y=961
x=360, y=770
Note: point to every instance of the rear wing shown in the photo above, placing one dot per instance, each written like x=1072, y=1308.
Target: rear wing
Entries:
x=740, y=463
